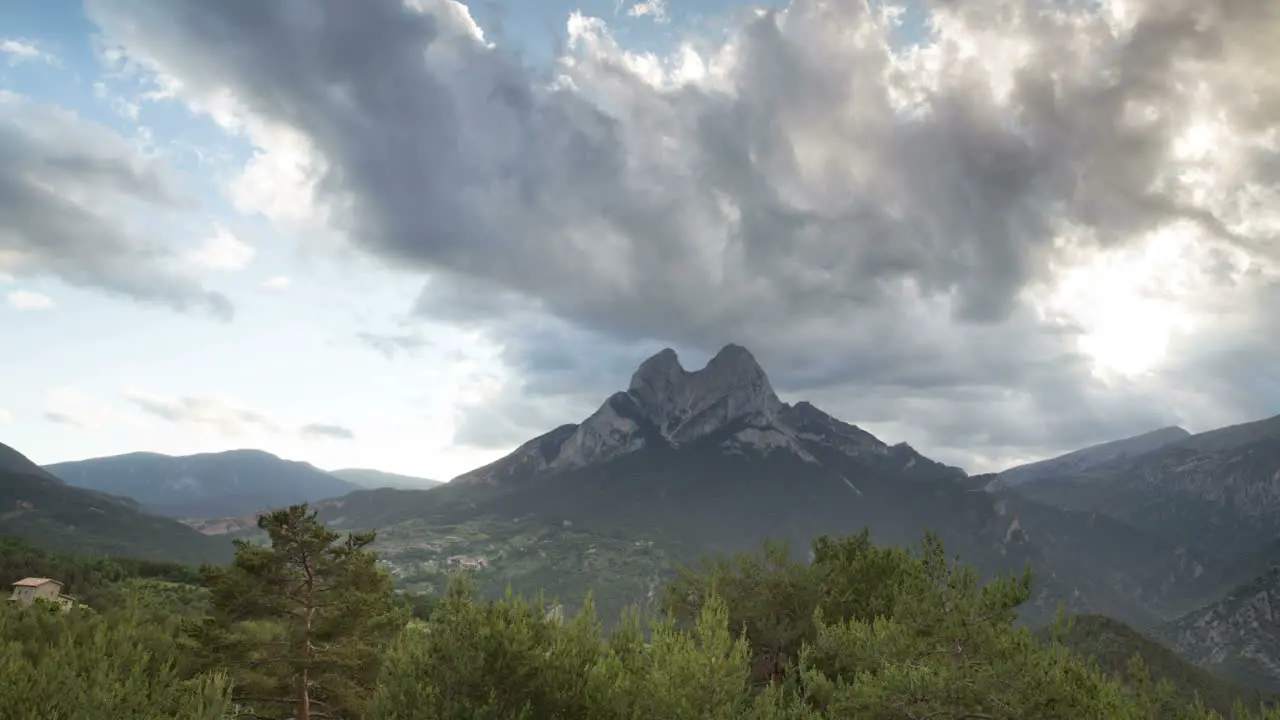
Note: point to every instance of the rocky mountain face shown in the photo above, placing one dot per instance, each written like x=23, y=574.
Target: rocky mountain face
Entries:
x=667, y=407
x=1091, y=458
x=1214, y=497
x=209, y=485
x=1237, y=636
x=51, y=514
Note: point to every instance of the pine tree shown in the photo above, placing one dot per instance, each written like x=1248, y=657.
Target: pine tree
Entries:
x=299, y=626
x=79, y=664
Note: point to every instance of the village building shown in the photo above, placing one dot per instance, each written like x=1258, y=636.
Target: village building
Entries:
x=467, y=563
x=28, y=590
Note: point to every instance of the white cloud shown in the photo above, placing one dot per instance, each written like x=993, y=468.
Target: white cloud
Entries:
x=656, y=9
x=68, y=406
x=120, y=106
x=222, y=417
x=222, y=252
x=279, y=283
x=29, y=300
x=19, y=51
x=6, y=417
x=326, y=431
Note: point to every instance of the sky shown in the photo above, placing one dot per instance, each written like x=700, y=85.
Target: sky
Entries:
x=411, y=234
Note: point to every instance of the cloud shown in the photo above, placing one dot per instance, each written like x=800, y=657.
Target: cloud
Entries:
x=75, y=197
x=222, y=252
x=18, y=51
x=211, y=414
x=392, y=344
x=279, y=283
x=120, y=106
x=656, y=9
x=69, y=406
x=28, y=300
x=330, y=432
x=916, y=230
x=6, y=417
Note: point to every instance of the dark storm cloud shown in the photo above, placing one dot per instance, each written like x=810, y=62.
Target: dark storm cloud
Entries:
x=64, y=187
x=854, y=214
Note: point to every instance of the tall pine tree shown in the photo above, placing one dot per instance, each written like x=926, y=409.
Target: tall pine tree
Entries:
x=299, y=626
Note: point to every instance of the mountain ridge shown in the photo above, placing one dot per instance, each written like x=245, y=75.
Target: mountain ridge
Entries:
x=39, y=507
x=372, y=479
x=204, y=485
x=1218, y=491
x=1091, y=457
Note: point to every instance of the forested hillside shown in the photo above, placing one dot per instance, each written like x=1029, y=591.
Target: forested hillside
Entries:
x=309, y=627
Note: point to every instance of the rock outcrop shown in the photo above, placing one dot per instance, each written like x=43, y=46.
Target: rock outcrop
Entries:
x=1238, y=636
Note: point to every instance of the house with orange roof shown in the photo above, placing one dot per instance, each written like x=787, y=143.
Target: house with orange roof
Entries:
x=28, y=590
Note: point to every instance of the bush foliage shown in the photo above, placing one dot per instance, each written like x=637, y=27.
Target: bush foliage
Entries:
x=310, y=628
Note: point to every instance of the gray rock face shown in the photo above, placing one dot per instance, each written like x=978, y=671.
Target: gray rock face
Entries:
x=666, y=404
x=610, y=431
x=687, y=405
x=1238, y=635
x=811, y=424
x=1218, y=492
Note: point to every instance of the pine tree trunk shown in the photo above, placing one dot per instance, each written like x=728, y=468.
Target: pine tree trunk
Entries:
x=304, y=696
x=304, y=699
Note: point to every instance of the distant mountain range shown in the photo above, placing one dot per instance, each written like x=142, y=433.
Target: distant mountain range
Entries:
x=373, y=479
x=233, y=483
x=39, y=507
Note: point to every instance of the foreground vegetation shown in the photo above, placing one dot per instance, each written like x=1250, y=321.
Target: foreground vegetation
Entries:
x=310, y=627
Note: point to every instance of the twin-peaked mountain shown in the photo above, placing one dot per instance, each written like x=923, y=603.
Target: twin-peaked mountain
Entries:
x=728, y=405
x=713, y=460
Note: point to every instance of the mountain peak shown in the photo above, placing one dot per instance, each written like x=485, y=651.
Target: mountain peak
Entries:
x=732, y=355
x=684, y=405
x=662, y=368
x=729, y=402
x=666, y=401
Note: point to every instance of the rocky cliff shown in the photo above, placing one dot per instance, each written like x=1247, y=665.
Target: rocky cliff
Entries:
x=1238, y=636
